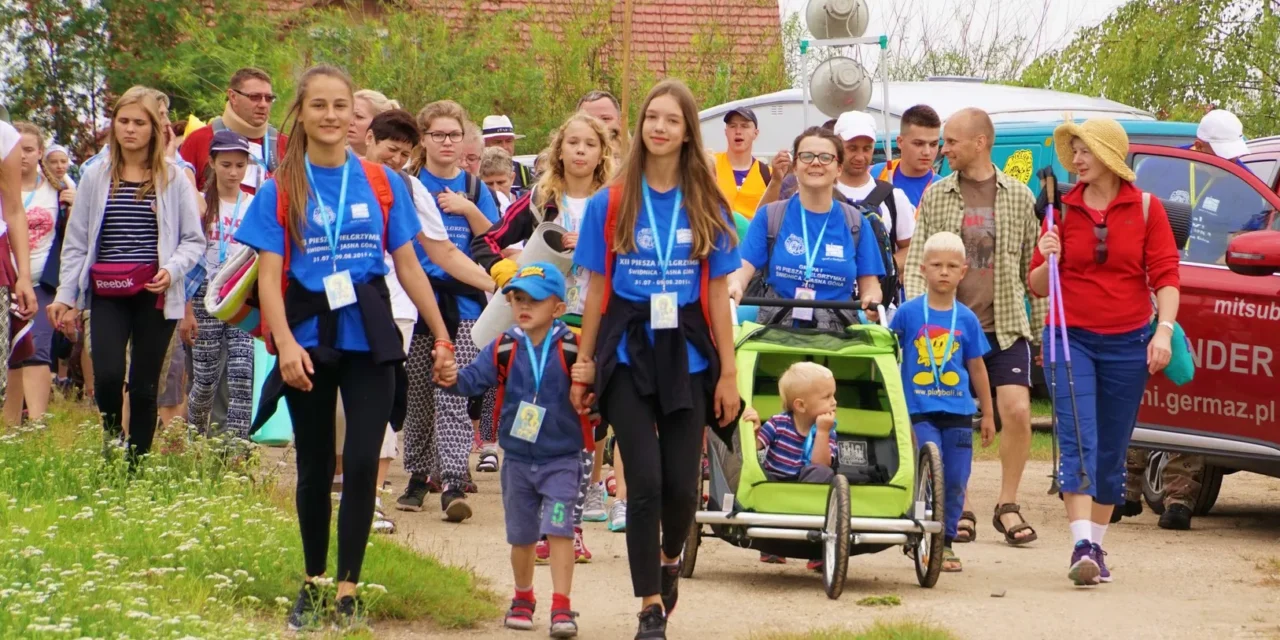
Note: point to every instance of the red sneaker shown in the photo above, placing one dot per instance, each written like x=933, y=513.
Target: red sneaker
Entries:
x=769, y=558
x=611, y=485
x=542, y=552
x=814, y=565
x=581, y=554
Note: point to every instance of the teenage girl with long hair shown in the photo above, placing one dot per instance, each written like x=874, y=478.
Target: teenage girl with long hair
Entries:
x=657, y=337
x=132, y=236
x=333, y=327
x=225, y=206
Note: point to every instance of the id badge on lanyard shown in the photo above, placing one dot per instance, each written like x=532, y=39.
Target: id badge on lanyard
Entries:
x=530, y=415
x=663, y=307
x=339, y=288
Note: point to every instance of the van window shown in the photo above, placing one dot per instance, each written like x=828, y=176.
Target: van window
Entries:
x=1264, y=169
x=1222, y=205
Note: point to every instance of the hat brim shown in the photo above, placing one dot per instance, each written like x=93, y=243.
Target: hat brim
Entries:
x=1062, y=145
x=489, y=136
x=536, y=292
x=1230, y=149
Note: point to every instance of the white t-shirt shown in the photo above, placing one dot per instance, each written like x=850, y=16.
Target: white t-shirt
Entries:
x=572, y=210
x=42, y=214
x=402, y=307
x=229, y=217
x=906, y=212
x=8, y=141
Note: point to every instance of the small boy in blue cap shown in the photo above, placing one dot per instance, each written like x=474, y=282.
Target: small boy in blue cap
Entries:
x=541, y=434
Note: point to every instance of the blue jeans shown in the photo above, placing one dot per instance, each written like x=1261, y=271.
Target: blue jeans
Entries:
x=956, y=445
x=1110, y=374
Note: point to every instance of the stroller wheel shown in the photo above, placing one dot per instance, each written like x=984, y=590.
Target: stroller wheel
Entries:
x=931, y=494
x=835, y=538
x=690, y=556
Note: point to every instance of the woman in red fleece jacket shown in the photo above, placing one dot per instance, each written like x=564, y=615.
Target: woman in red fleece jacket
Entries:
x=1114, y=247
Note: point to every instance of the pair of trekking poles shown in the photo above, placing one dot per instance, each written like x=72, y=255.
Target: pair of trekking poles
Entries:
x=1056, y=307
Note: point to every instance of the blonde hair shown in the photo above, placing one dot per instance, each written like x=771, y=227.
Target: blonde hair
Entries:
x=149, y=101
x=29, y=129
x=377, y=99
x=495, y=160
x=944, y=242
x=551, y=184
x=430, y=113
x=291, y=176
x=798, y=379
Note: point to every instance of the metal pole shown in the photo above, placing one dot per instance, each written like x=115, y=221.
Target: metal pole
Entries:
x=884, y=74
x=804, y=78
x=626, y=63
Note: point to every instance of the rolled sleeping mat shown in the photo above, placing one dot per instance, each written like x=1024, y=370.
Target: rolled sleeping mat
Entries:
x=545, y=245
x=232, y=287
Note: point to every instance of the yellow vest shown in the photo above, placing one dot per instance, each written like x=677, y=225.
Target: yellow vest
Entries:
x=745, y=199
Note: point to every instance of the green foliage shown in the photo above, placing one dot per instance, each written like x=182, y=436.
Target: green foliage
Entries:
x=1175, y=58
x=53, y=55
x=878, y=631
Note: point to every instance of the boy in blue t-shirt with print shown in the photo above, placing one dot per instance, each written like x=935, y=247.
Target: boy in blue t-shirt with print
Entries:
x=942, y=350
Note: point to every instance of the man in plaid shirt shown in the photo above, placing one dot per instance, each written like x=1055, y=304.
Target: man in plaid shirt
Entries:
x=995, y=215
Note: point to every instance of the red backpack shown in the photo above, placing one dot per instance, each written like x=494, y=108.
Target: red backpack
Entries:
x=377, y=177
x=504, y=354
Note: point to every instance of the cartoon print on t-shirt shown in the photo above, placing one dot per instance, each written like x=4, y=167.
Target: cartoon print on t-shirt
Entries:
x=931, y=342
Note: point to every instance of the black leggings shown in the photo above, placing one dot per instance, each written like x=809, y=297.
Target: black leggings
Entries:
x=661, y=471
x=113, y=322
x=367, y=391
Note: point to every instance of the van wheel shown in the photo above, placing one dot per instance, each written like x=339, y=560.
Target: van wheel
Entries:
x=1210, y=486
x=1153, y=481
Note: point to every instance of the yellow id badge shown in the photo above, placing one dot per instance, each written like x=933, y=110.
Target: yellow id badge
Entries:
x=339, y=289
x=664, y=311
x=528, y=422
x=803, y=313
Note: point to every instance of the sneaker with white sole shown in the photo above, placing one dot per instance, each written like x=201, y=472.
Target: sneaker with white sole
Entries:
x=593, y=506
x=618, y=516
x=1084, y=568
x=488, y=462
x=581, y=554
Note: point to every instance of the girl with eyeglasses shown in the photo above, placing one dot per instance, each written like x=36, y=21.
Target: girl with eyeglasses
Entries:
x=813, y=254
x=1115, y=249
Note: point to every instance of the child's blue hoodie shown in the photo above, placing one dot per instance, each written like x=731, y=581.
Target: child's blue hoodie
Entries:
x=562, y=433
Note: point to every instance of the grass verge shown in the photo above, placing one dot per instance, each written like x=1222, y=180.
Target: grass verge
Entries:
x=877, y=631
x=1041, y=447
x=192, y=546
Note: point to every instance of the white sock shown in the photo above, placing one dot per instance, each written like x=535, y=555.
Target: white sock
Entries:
x=377, y=501
x=1098, y=532
x=1081, y=530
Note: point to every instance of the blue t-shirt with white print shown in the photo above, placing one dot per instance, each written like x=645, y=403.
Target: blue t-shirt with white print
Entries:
x=360, y=245
x=913, y=187
x=636, y=276
x=458, y=228
x=947, y=392
x=837, y=263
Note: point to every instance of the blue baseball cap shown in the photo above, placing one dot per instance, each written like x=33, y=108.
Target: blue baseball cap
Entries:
x=540, y=280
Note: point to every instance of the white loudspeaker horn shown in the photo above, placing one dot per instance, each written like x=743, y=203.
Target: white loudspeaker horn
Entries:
x=545, y=245
x=839, y=85
x=829, y=19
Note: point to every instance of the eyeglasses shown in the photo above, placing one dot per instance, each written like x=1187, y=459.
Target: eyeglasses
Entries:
x=258, y=97
x=1100, y=251
x=822, y=159
x=439, y=136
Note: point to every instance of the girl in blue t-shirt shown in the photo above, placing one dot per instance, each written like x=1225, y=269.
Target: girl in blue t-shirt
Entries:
x=439, y=431
x=815, y=255
x=334, y=328
x=657, y=327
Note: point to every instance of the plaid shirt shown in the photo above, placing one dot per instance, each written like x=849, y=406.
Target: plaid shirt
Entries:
x=942, y=209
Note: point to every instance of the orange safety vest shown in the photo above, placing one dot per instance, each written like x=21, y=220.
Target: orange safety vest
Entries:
x=745, y=199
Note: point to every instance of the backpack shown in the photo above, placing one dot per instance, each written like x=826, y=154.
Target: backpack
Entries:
x=870, y=208
x=776, y=211
x=881, y=194
x=504, y=354
x=381, y=187
x=270, y=143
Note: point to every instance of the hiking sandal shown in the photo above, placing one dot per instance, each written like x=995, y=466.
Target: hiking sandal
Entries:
x=951, y=563
x=1011, y=535
x=967, y=529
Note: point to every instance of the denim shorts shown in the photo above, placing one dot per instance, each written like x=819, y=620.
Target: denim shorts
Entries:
x=538, y=498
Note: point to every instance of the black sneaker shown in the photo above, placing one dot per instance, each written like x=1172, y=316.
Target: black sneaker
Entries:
x=670, y=587
x=414, y=495
x=1176, y=517
x=1129, y=509
x=653, y=624
x=349, y=615
x=454, y=504
x=308, y=611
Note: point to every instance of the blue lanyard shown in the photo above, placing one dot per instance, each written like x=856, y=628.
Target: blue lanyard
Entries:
x=810, y=439
x=223, y=239
x=663, y=260
x=27, y=203
x=332, y=233
x=810, y=256
x=941, y=364
x=566, y=217
x=539, y=365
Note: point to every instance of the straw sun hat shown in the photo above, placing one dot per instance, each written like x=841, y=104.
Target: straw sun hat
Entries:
x=1104, y=137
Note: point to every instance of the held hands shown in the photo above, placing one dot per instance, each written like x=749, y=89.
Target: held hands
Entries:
x=63, y=318
x=727, y=400
x=1049, y=244
x=583, y=375
x=448, y=375
x=988, y=430
x=1159, y=350
x=160, y=283
x=295, y=365
x=780, y=166
x=445, y=371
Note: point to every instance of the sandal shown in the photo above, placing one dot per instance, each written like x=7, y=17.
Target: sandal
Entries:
x=951, y=563
x=1011, y=535
x=967, y=529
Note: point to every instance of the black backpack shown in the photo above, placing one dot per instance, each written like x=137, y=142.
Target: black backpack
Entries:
x=870, y=208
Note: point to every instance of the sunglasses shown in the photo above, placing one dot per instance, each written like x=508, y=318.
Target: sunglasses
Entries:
x=1100, y=251
x=821, y=159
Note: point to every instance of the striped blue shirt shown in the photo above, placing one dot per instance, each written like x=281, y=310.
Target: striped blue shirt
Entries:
x=784, y=446
x=130, y=231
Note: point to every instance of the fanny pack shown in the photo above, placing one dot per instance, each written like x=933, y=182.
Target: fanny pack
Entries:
x=121, y=280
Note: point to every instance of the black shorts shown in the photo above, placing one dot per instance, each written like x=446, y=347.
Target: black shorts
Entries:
x=1008, y=367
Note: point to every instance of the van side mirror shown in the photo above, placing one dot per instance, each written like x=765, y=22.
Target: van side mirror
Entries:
x=1256, y=253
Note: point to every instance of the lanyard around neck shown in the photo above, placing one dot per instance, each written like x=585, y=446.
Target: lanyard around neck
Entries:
x=810, y=256
x=26, y=202
x=223, y=229
x=937, y=367
x=333, y=233
x=539, y=364
x=663, y=255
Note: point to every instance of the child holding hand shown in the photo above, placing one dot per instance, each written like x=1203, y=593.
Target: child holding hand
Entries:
x=942, y=349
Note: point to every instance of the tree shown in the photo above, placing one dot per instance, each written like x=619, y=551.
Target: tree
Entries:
x=990, y=40
x=1175, y=58
x=55, y=65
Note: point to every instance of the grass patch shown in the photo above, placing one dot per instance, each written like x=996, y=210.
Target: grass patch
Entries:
x=1270, y=568
x=193, y=546
x=1041, y=408
x=877, y=631
x=1041, y=447
x=880, y=601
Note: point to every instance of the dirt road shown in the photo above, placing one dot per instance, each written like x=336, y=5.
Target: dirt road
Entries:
x=1199, y=584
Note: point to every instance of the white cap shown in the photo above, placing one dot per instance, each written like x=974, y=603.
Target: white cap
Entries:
x=498, y=127
x=1224, y=133
x=856, y=124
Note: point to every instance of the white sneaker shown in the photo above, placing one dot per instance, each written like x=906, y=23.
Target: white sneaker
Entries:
x=593, y=507
x=618, y=516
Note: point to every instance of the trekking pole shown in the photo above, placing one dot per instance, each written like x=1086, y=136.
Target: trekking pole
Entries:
x=1054, y=486
x=1055, y=284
